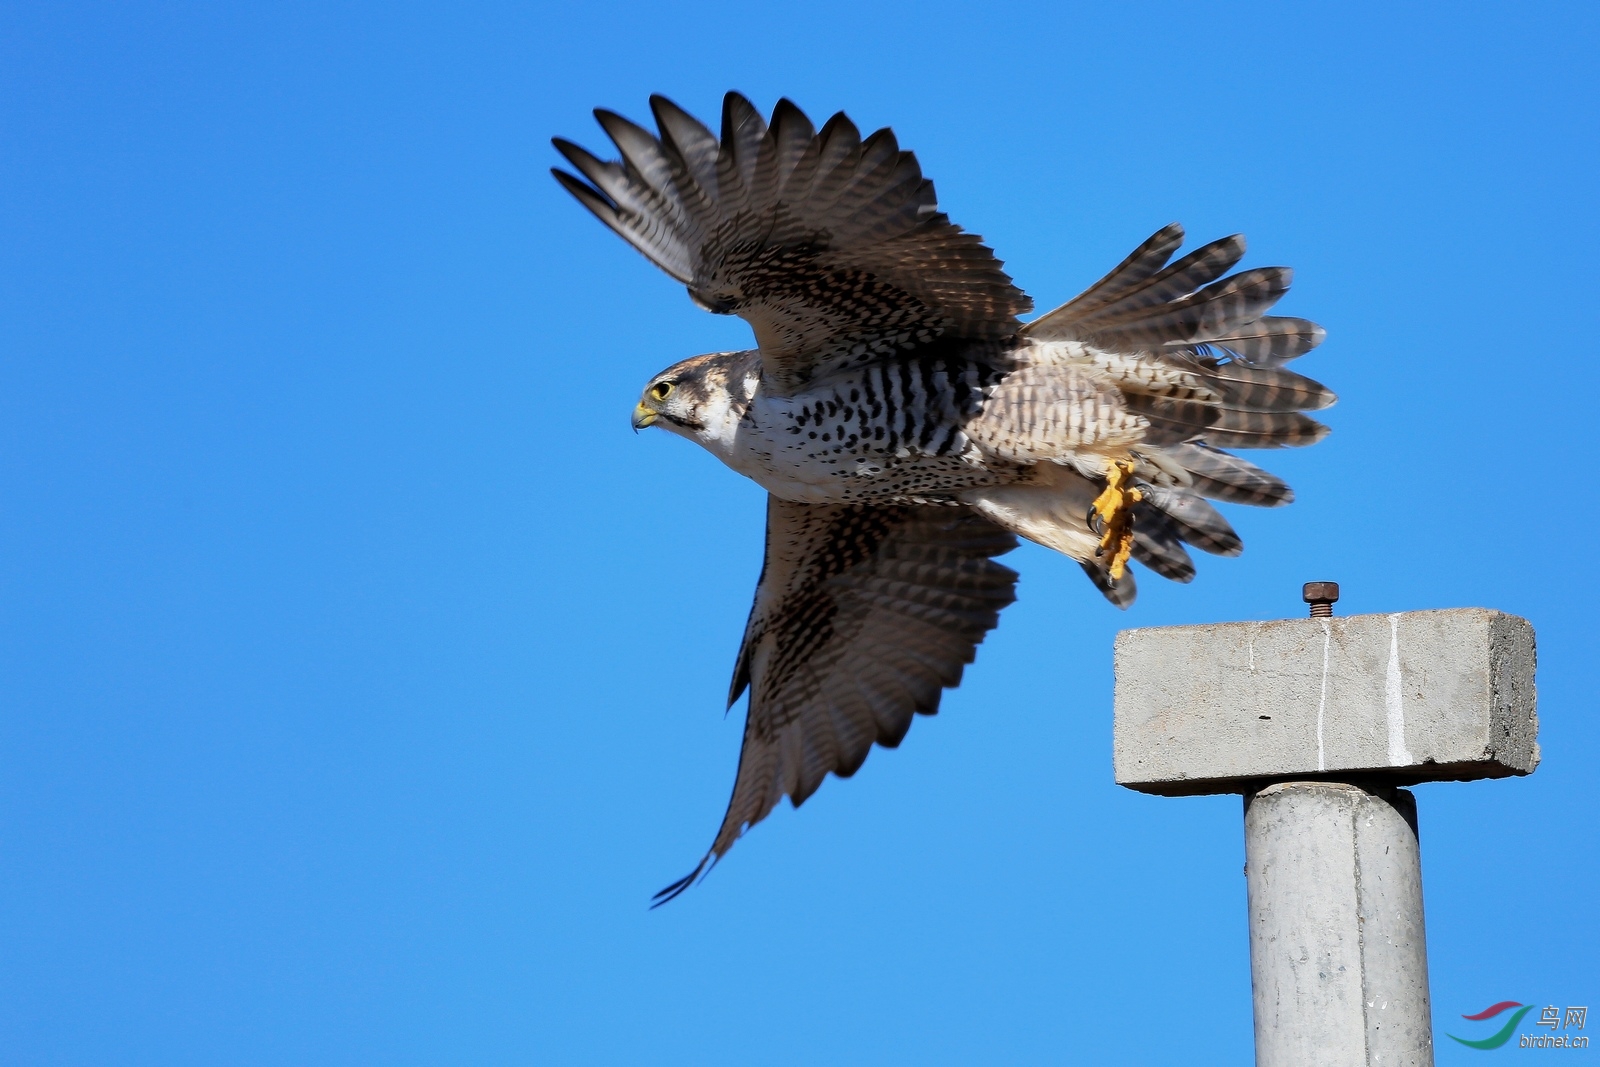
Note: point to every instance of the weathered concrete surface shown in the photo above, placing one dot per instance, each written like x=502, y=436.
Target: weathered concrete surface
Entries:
x=1416, y=696
x=1338, y=954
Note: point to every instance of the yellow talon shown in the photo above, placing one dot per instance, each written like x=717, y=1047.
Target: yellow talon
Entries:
x=1114, y=506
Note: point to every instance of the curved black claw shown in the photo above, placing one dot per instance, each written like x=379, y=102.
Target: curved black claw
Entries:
x=1097, y=525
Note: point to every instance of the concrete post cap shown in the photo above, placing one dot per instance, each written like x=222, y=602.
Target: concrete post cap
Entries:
x=1412, y=697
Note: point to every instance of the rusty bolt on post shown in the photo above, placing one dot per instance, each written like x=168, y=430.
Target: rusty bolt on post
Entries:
x=1321, y=597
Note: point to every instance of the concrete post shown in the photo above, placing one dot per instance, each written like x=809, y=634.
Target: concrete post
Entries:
x=1338, y=959
x=1318, y=722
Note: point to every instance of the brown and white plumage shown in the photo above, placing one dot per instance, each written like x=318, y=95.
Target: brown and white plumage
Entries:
x=831, y=246
x=863, y=616
x=907, y=424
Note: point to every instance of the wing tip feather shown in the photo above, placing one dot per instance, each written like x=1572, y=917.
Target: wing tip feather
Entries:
x=694, y=877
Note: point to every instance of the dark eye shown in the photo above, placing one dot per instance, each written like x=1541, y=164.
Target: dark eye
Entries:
x=661, y=390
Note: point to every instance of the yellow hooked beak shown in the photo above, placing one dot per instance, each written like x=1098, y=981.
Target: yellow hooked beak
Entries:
x=642, y=416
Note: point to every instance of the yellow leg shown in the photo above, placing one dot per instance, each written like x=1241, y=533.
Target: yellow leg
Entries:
x=1115, y=507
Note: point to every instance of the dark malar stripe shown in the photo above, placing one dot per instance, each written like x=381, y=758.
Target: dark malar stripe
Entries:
x=931, y=373
x=871, y=393
x=891, y=408
x=961, y=386
x=908, y=414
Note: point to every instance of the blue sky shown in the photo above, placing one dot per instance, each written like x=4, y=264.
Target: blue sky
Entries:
x=360, y=671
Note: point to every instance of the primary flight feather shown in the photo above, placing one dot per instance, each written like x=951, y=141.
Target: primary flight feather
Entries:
x=906, y=423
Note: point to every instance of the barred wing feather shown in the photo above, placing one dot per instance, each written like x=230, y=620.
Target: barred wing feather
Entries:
x=830, y=245
x=862, y=618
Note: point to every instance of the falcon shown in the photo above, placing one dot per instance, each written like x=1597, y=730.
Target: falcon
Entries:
x=908, y=425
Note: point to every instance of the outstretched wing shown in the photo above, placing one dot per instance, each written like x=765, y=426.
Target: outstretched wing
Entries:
x=832, y=247
x=862, y=617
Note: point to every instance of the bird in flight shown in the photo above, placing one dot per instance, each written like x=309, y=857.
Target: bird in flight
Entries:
x=907, y=424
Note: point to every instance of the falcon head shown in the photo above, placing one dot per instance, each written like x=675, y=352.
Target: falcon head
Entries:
x=701, y=398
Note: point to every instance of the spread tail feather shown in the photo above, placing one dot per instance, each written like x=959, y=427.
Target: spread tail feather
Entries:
x=1144, y=304
x=1223, y=476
